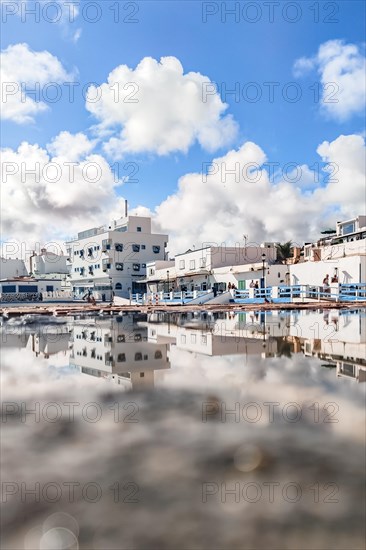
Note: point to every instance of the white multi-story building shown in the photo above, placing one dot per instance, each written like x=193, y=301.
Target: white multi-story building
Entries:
x=111, y=260
x=217, y=266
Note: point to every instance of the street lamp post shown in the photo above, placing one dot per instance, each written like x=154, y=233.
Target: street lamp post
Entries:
x=263, y=269
x=167, y=275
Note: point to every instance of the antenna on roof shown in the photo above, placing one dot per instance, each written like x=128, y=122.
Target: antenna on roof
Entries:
x=126, y=208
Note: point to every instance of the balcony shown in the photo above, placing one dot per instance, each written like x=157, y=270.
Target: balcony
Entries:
x=109, y=361
x=106, y=264
x=106, y=244
x=108, y=340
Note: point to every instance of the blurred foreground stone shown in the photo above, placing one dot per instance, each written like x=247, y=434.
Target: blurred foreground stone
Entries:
x=163, y=480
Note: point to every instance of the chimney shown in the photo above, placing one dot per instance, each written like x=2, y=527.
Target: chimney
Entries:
x=30, y=260
x=126, y=209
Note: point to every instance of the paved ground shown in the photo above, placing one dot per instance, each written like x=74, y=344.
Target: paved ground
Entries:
x=79, y=307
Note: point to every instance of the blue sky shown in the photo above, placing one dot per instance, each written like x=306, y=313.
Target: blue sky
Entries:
x=228, y=52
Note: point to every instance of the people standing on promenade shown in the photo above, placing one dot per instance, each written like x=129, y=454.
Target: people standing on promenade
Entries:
x=326, y=287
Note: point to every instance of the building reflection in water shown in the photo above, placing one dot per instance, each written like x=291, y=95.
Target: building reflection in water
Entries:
x=118, y=349
x=337, y=338
x=129, y=349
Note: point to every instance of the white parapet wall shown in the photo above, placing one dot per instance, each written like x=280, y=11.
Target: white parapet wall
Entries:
x=350, y=269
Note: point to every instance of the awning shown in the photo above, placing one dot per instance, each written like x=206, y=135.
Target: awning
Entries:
x=157, y=280
x=194, y=274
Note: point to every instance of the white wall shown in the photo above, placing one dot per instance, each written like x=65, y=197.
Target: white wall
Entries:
x=313, y=273
x=47, y=263
x=336, y=251
x=12, y=268
x=221, y=256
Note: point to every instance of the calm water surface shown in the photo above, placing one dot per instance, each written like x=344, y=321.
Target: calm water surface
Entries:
x=180, y=410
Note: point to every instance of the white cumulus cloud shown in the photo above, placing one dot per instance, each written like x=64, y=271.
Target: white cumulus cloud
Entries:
x=52, y=196
x=22, y=69
x=222, y=206
x=341, y=68
x=158, y=108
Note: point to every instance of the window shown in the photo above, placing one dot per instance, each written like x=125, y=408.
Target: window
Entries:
x=106, y=245
x=136, y=267
x=183, y=338
x=118, y=286
x=142, y=374
x=118, y=247
x=143, y=266
x=193, y=338
x=143, y=247
x=121, y=357
x=90, y=251
x=138, y=229
x=119, y=266
x=137, y=338
x=121, y=338
x=156, y=249
x=136, y=248
x=9, y=288
x=158, y=354
x=30, y=288
x=204, y=340
x=138, y=356
x=81, y=253
x=49, y=288
x=182, y=264
x=348, y=228
x=192, y=264
x=203, y=262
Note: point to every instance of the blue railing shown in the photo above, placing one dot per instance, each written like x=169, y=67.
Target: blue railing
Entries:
x=352, y=292
x=280, y=294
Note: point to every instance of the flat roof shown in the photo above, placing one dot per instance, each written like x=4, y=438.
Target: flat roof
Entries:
x=26, y=280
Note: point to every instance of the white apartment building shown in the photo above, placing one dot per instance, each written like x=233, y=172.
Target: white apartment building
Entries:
x=111, y=260
x=217, y=266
